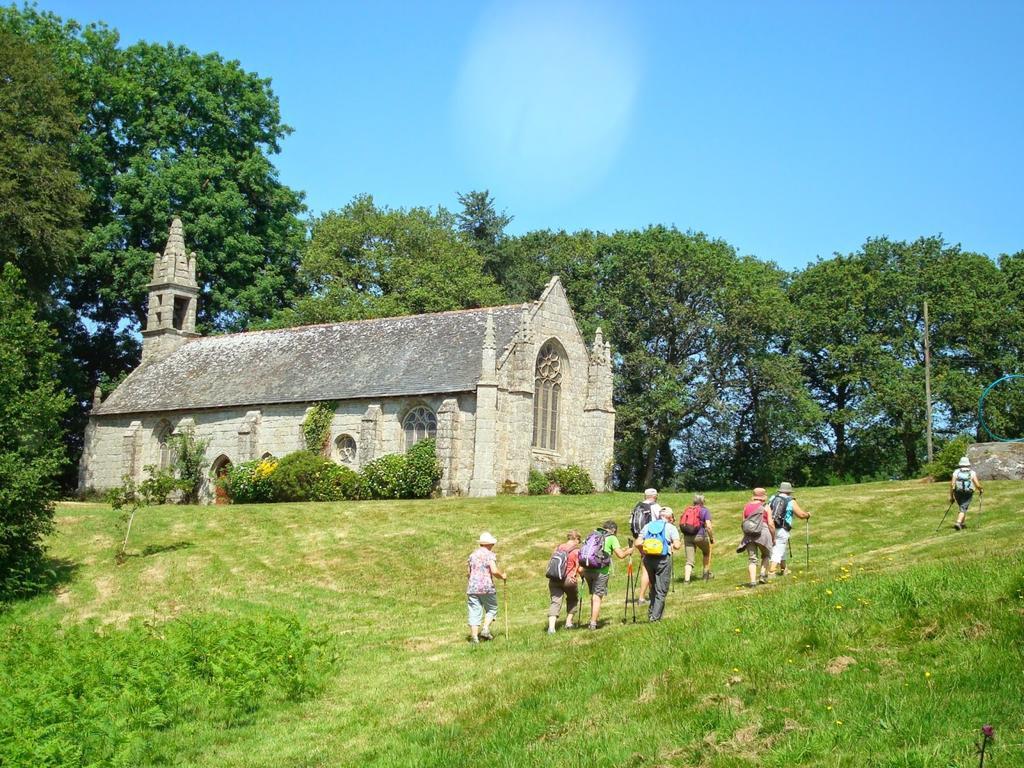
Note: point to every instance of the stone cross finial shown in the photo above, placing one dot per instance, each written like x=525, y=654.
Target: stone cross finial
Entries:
x=97, y=396
x=597, y=350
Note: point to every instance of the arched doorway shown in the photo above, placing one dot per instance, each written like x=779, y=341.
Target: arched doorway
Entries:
x=218, y=470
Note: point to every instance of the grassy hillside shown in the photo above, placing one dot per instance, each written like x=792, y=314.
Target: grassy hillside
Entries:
x=334, y=634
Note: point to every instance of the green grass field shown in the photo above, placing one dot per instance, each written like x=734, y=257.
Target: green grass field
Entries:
x=334, y=634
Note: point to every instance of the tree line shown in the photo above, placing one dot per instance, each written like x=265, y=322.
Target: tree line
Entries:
x=728, y=369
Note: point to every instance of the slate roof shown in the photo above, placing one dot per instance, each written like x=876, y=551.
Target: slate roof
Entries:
x=415, y=355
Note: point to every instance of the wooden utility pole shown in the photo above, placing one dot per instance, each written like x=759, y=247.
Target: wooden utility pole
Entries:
x=927, y=382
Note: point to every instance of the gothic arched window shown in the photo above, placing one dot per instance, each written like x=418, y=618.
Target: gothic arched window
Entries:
x=163, y=433
x=419, y=424
x=547, y=392
x=345, y=449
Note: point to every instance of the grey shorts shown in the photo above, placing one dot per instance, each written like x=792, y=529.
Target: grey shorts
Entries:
x=756, y=550
x=597, y=582
x=477, y=605
x=557, y=590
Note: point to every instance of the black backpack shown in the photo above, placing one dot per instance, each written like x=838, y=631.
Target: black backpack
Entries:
x=641, y=516
x=779, y=504
x=558, y=565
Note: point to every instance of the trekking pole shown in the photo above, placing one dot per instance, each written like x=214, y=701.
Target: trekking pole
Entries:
x=634, y=596
x=629, y=587
x=807, y=552
x=944, y=516
x=505, y=590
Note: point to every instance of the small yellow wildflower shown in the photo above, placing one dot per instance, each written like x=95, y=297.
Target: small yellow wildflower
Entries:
x=737, y=630
x=839, y=722
x=927, y=674
x=829, y=707
x=828, y=591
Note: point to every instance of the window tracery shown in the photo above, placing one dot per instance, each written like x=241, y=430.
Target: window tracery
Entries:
x=419, y=424
x=547, y=395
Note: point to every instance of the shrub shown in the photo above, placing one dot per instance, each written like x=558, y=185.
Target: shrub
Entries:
x=573, y=479
x=337, y=483
x=423, y=472
x=945, y=461
x=385, y=478
x=537, y=484
x=250, y=482
x=298, y=476
x=189, y=463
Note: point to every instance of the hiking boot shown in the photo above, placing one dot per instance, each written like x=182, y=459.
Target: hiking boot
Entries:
x=751, y=585
x=486, y=636
x=957, y=527
x=708, y=576
x=474, y=640
x=641, y=601
x=592, y=626
x=763, y=580
x=551, y=631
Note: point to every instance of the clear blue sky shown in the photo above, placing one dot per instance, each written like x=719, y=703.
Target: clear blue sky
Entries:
x=790, y=129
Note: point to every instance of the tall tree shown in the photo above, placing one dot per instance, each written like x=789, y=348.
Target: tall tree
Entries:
x=663, y=289
x=480, y=221
x=41, y=201
x=31, y=449
x=165, y=132
x=366, y=261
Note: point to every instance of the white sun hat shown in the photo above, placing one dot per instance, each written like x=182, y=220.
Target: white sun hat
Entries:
x=487, y=538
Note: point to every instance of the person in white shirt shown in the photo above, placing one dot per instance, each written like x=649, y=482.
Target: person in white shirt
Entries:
x=962, y=486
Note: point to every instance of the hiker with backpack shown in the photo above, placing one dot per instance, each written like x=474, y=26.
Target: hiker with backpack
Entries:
x=644, y=512
x=962, y=486
x=695, y=525
x=784, y=508
x=596, y=564
x=481, y=595
x=563, y=568
x=758, y=536
x=657, y=541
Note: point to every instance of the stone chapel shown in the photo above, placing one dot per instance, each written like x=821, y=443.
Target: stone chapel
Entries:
x=501, y=389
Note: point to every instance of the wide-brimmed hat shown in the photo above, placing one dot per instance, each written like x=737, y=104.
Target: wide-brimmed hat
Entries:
x=964, y=462
x=760, y=493
x=785, y=487
x=487, y=538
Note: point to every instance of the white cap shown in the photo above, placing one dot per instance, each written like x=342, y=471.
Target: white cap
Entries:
x=651, y=492
x=487, y=538
x=666, y=513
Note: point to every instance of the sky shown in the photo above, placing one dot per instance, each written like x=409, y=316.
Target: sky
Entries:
x=792, y=130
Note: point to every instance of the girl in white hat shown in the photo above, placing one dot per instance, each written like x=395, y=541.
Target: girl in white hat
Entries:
x=962, y=486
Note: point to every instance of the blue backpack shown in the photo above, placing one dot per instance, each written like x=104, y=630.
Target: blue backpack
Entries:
x=656, y=542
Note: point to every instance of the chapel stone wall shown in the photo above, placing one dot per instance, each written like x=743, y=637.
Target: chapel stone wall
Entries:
x=119, y=445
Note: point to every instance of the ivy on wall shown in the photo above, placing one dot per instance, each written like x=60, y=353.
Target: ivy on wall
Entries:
x=316, y=427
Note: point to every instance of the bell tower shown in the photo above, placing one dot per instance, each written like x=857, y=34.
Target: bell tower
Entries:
x=173, y=292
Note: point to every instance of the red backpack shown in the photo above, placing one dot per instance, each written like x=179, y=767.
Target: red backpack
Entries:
x=690, y=521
